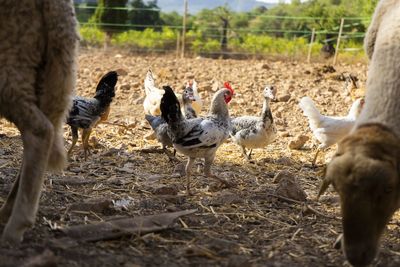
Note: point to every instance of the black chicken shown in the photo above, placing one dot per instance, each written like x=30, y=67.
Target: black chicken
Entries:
x=86, y=113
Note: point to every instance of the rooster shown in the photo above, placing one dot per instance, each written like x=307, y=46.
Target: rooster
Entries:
x=198, y=137
x=86, y=113
x=255, y=132
x=326, y=129
x=160, y=127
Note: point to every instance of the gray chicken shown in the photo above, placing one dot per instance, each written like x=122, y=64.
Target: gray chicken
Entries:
x=198, y=137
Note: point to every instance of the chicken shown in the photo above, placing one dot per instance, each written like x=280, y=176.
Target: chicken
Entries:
x=196, y=103
x=198, y=137
x=352, y=86
x=329, y=130
x=255, y=132
x=190, y=103
x=151, y=103
x=86, y=113
x=160, y=127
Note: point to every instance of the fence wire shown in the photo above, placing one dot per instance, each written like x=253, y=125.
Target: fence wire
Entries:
x=207, y=39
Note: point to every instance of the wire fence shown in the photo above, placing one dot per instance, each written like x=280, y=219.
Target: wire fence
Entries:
x=297, y=37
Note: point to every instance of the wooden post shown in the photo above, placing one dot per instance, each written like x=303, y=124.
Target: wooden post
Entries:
x=184, y=27
x=178, y=42
x=338, y=41
x=310, y=45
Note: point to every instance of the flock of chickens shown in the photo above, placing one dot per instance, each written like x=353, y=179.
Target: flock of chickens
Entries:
x=175, y=121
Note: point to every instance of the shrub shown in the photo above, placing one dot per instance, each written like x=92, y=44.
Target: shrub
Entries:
x=92, y=35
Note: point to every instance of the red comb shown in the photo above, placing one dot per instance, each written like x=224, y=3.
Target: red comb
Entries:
x=228, y=86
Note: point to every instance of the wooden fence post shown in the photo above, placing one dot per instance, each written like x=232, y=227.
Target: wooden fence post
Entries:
x=178, y=42
x=338, y=41
x=310, y=45
x=184, y=27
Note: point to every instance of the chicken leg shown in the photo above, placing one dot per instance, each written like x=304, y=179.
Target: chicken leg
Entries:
x=85, y=141
x=188, y=171
x=247, y=156
x=74, y=132
x=315, y=157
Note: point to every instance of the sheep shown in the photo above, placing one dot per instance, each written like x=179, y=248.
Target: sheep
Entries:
x=365, y=170
x=37, y=77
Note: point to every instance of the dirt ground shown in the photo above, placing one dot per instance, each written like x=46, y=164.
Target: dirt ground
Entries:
x=247, y=224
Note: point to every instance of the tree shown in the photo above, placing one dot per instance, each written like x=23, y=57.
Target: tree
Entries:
x=85, y=11
x=214, y=23
x=111, y=15
x=143, y=15
x=171, y=19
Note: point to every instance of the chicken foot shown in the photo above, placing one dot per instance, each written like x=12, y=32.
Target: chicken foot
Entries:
x=247, y=156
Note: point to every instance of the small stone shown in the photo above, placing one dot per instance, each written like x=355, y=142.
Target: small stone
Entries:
x=136, y=84
x=125, y=87
x=180, y=169
x=298, y=141
x=154, y=178
x=284, y=98
x=278, y=177
x=290, y=188
x=189, y=75
x=165, y=190
x=121, y=72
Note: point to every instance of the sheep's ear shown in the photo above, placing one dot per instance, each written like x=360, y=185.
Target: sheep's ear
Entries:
x=325, y=184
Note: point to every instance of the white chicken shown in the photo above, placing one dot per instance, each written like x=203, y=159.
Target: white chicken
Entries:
x=198, y=137
x=329, y=130
x=255, y=132
x=151, y=103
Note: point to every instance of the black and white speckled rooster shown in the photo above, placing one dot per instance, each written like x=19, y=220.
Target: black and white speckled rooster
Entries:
x=255, y=132
x=199, y=137
x=88, y=112
x=160, y=127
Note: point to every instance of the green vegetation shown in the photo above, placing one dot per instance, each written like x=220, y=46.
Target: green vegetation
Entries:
x=282, y=30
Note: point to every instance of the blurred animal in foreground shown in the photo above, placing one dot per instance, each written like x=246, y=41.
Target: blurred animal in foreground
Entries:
x=255, y=132
x=329, y=130
x=160, y=127
x=37, y=79
x=86, y=113
x=198, y=137
x=365, y=170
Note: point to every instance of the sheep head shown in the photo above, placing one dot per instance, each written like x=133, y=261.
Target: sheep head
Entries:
x=365, y=173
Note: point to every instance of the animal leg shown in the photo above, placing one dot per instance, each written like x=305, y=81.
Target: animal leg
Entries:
x=74, y=132
x=37, y=135
x=315, y=157
x=244, y=153
x=170, y=156
x=85, y=141
x=251, y=150
x=188, y=171
x=6, y=209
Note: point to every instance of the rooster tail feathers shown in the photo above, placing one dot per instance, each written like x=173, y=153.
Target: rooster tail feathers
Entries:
x=106, y=85
x=170, y=107
x=149, y=83
x=310, y=110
